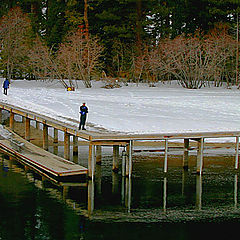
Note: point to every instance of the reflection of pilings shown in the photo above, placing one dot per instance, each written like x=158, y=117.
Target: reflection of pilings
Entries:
x=199, y=192
x=166, y=156
x=164, y=194
x=237, y=153
x=184, y=180
x=98, y=179
x=185, y=154
x=55, y=149
x=123, y=190
x=99, y=154
x=90, y=197
x=115, y=182
x=128, y=193
x=235, y=190
x=55, y=135
x=65, y=192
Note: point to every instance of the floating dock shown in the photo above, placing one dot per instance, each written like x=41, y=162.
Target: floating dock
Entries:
x=38, y=159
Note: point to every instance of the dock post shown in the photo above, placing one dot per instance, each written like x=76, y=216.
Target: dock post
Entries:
x=45, y=136
x=115, y=158
x=55, y=135
x=75, y=145
x=127, y=161
x=200, y=155
x=237, y=153
x=66, y=145
x=91, y=161
x=27, y=128
x=185, y=154
x=130, y=158
x=98, y=154
x=11, y=120
x=166, y=155
x=124, y=156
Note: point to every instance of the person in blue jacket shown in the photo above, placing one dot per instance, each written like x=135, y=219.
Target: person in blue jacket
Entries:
x=83, y=117
x=5, y=86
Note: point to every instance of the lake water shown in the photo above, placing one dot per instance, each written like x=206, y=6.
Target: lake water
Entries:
x=151, y=205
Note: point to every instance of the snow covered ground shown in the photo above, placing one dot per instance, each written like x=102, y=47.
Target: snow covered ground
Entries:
x=165, y=108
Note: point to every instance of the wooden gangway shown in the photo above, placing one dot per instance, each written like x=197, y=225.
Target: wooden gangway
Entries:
x=101, y=137
x=38, y=159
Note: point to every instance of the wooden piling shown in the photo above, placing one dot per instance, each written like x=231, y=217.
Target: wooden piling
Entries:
x=75, y=145
x=200, y=155
x=27, y=129
x=124, y=155
x=11, y=120
x=166, y=156
x=127, y=161
x=115, y=166
x=237, y=153
x=66, y=145
x=185, y=154
x=45, y=137
x=91, y=161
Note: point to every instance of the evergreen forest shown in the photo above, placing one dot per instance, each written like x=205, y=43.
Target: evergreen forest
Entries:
x=195, y=42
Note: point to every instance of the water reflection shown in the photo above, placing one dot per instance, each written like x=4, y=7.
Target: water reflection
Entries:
x=141, y=196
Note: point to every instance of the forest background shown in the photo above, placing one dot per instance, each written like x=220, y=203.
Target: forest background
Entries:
x=195, y=42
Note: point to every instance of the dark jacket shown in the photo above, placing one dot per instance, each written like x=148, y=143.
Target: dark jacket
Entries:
x=83, y=110
x=6, y=84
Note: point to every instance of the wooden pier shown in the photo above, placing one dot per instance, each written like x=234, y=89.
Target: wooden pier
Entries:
x=97, y=139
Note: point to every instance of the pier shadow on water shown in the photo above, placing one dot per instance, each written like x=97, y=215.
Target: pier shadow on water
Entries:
x=150, y=205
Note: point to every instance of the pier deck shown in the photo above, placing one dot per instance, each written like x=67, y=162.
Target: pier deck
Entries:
x=101, y=137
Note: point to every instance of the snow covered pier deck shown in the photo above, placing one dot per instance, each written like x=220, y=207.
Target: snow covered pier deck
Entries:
x=96, y=139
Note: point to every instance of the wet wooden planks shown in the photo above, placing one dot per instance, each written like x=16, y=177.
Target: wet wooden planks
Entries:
x=39, y=159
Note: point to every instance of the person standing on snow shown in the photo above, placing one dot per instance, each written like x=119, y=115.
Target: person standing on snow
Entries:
x=5, y=86
x=83, y=117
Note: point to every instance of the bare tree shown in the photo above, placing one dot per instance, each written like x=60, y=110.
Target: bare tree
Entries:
x=15, y=28
x=43, y=62
x=193, y=60
x=79, y=56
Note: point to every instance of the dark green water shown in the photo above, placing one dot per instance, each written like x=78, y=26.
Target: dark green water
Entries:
x=152, y=205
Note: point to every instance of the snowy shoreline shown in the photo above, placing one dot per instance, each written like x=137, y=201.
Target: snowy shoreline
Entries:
x=166, y=108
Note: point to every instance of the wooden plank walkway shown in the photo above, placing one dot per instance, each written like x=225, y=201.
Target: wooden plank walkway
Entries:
x=39, y=159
